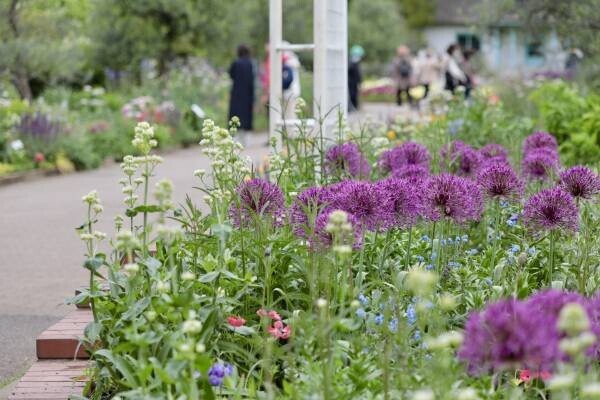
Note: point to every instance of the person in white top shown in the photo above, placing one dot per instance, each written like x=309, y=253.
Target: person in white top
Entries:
x=292, y=93
x=454, y=75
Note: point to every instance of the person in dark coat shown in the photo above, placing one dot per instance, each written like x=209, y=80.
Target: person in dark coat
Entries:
x=354, y=75
x=241, y=102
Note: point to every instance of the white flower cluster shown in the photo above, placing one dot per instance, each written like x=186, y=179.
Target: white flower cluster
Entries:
x=225, y=153
x=144, y=138
x=163, y=192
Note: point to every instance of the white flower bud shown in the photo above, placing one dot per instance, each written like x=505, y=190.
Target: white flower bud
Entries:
x=191, y=326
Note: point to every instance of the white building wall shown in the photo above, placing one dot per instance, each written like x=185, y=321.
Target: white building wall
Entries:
x=503, y=50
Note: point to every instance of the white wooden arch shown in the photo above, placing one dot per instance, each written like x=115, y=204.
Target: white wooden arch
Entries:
x=330, y=62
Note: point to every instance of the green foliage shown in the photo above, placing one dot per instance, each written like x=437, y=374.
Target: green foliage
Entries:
x=42, y=42
x=572, y=117
x=379, y=43
x=418, y=13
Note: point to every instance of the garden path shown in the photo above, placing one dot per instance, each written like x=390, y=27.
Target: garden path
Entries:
x=40, y=254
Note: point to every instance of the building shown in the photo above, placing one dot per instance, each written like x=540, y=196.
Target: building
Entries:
x=503, y=45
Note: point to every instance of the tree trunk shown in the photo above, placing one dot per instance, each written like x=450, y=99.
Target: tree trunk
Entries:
x=20, y=77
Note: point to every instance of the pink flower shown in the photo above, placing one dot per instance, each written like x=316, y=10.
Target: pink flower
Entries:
x=39, y=158
x=526, y=376
x=279, y=330
x=236, y=322
x=274, y=315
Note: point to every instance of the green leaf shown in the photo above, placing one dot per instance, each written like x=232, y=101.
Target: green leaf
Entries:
x=150, y=208
x=138, y=308
x=211, y=276
x=93, y=264
x=92, y=331
x=124, y=368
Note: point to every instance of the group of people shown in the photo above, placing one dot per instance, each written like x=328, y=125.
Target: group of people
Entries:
x=243, y=72
x=454, y=69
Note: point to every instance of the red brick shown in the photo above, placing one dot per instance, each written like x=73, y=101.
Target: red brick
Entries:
x=51, y=380
x=61, y=340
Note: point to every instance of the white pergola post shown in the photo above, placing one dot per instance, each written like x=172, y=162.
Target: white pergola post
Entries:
x=330, y=87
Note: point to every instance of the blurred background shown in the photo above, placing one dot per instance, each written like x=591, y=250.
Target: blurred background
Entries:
x=75, y=75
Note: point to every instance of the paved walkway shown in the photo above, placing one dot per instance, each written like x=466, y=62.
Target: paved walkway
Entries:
x=41, y=255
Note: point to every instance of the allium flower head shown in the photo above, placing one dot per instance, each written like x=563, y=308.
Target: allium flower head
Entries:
x=540, y=163
x=551, y=209
x=539, y=140
x=461, y=158
x=508, y=335
x=411, y=171
x=409, y=153
x=499, y=180
x=258, y=198
x=306, y=207
x=324, y=237
x=580, y=181
x=406, y=202
x=493, y=151
x=346, y=159
x=453, y=197
x=371, y=205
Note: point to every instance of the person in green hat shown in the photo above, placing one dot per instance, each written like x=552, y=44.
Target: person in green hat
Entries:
x=354, y=75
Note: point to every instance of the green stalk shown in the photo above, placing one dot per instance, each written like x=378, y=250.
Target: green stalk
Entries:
x=552, y=240
x=145, y=233
x=408, y=248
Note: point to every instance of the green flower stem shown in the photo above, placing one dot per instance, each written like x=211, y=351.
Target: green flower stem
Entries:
x=145, y=227
x=408, y=248
x=552, y=244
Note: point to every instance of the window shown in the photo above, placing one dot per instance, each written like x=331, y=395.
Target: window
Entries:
x=535, y=49
x=468, y=41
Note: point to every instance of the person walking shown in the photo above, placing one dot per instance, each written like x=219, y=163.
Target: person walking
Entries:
x=429, y=69
x=241, y=101
x=354, y=76
x=403, y=74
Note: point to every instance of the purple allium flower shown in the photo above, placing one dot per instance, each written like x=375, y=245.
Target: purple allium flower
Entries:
x=346, y=159
x=258, y=198
x=580, y=181
x=460, y=158
x=507, y=335
x=493, y=151
x=218, y=372
x=539, y=140
x=551, y=209
x=452, y=196
x=306, y=207
x=499, y=180
x=406, y=203
x=371, y=205
x=550, y=302
x=411, y=171
x=385, y=161
x=540, y=163
x=324, y=238
x=409, y=153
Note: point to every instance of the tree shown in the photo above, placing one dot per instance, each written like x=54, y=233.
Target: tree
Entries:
x=41, y=42
x=377, y=26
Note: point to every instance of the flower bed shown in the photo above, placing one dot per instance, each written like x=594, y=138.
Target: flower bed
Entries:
x=417, y=268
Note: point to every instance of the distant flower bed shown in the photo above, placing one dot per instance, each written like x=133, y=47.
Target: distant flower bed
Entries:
x=428, y=263
x=79, y=130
